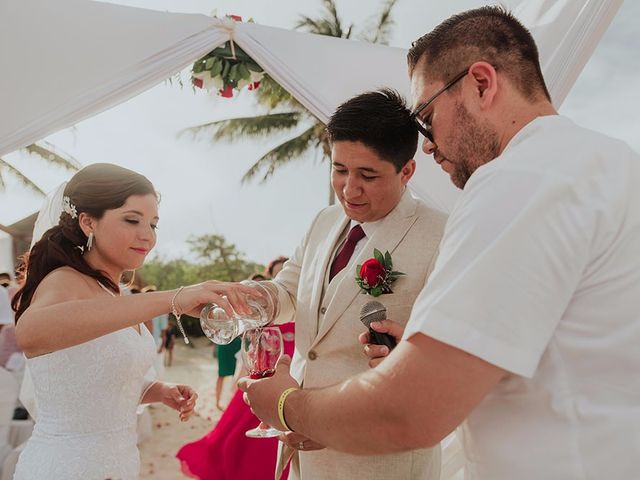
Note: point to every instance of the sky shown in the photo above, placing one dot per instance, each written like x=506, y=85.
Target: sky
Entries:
x=200, y=181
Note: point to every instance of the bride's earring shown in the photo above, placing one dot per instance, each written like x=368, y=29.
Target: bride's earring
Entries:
x=89, y=241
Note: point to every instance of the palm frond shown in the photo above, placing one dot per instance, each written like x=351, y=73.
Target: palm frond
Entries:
x=379, y=30
x=21, y=177
x=47, y=151
x=271, y=94
x=327, y=24
x=233, y=129
x=282, y=154
x=349, y=31
x=332, y=9
x=308, y=24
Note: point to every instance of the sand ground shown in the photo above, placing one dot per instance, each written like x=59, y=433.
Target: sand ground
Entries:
x=195, y=367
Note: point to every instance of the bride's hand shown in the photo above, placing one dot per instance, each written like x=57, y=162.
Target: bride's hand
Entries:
x=181, y=398
x=229, y=296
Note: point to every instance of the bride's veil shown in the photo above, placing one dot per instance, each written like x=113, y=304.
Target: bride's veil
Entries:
x=49, y=213
x=48, y=217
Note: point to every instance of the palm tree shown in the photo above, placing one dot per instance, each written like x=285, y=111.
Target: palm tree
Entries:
x=285, y=113
x=45, y=151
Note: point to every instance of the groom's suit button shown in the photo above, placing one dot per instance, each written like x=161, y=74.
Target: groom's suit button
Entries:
x=312, y=355
x=323, y=310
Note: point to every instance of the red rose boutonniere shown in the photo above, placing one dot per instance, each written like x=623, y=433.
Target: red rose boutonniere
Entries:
x=376, y=275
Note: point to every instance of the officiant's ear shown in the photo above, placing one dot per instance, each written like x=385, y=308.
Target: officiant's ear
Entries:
x=485, y=82
x=407, y=171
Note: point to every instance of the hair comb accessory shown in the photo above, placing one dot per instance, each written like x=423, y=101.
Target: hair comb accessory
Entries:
x=69, y=207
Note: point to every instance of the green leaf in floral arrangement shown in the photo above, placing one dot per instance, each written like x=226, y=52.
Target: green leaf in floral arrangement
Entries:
x=378, y=254
x=233, y=72
x=358, y=267
x=397, y=274
x=216, y=69
x=243, y=72
x=376, y=292
x=254, y=67
x=209, y=63
x=197, y=67
x=387, y=260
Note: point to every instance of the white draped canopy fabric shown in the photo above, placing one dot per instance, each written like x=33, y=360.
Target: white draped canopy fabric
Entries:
x=67, y=60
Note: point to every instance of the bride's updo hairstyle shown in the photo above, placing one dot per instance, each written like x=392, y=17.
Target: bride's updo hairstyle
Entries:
x=92, y=190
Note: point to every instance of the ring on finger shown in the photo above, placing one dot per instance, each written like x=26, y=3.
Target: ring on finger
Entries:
x=300, y=445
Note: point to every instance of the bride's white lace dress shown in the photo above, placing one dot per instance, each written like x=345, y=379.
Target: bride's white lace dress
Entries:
x=86, y=398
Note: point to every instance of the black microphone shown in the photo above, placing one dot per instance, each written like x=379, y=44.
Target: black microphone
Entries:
x=376, y=312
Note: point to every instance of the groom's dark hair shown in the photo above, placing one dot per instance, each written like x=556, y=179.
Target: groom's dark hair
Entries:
x=381, y=121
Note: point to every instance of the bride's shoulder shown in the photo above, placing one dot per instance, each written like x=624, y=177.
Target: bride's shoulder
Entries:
x=69, y=280
x=66, y=273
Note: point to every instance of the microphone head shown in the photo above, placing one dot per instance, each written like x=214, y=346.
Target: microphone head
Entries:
x=372, y=311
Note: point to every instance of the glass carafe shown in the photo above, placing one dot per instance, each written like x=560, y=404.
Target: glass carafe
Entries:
x=221, y=328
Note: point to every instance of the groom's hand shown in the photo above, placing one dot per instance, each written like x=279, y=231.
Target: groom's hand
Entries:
x=377, y=353
x=262, y=395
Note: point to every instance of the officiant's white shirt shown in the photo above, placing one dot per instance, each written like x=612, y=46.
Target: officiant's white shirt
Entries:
x=539, y=274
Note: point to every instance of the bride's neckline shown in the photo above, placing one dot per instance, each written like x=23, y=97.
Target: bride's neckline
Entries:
x=134, y=328
x=106, y=289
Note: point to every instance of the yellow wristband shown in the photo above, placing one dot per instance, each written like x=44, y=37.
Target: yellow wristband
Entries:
x=281, y=400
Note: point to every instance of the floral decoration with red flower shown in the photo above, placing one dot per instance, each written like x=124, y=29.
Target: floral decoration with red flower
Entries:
x=227, y=69
x=376, y=274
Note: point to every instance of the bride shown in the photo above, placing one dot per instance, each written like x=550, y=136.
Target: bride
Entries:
x=88, y=351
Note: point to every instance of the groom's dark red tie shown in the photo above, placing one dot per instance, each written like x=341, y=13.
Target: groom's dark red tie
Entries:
x=344, y=255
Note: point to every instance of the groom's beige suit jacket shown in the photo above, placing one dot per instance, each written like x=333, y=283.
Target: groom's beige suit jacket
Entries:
x=326, y=313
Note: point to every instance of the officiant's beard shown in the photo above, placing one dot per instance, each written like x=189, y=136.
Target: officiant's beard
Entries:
x=475, y=145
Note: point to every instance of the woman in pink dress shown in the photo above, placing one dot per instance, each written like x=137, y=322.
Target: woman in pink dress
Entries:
x=226, y=453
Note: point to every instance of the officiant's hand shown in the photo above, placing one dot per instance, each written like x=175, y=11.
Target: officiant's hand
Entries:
x=377, y=353
x=181, y=398
x=299, y=442
x=262, y=395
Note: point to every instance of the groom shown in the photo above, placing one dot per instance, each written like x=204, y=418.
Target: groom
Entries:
x=373, y=142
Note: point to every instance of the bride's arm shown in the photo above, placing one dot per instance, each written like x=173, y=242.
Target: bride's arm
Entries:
x=68, y=310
